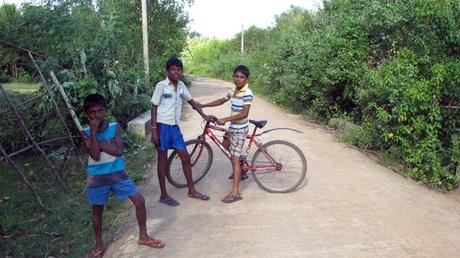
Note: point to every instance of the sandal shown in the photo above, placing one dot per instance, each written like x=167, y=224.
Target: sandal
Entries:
x=199, y=196
x=232, y=198
x=96, y=253
x=169, y=201
x=154, y=243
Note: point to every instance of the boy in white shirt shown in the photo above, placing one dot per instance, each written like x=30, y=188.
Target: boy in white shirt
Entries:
x=166, y=134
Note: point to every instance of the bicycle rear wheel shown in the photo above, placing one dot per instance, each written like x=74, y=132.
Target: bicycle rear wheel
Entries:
x=292, y=163
x=200, y=158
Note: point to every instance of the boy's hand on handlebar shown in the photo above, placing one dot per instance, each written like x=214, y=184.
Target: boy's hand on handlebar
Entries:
x=221, y=122
x=211, y=118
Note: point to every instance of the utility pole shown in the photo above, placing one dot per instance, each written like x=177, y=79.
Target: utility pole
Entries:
x=242, y=39
x=145, y=39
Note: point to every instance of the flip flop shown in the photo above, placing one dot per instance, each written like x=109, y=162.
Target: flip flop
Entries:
x=169, y=201
x=95, y=254
x=231, y=198
x=199, y=196
x=154, y=243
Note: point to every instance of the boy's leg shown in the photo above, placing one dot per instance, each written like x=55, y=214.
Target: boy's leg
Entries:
x=236, y=176
x=164, y=135
x=226, y=143
x=187, y=168
x=97, y=196
x=162, y=160
x=234, y=194
x=97, y=226
x=178, y=144
x=141, y=215
x=237, y=138
x=164, y=197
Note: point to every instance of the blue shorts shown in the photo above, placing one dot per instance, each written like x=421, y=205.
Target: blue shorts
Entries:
x=98, y=195
x=170, y=137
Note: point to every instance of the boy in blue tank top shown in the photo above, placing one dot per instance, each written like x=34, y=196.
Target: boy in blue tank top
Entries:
x=106, y=172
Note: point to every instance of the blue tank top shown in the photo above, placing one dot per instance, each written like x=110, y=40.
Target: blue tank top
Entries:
x=108, y=169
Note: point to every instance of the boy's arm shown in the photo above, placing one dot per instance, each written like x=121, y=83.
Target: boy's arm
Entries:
x=197, y=106
x=113, y=149
x=214, y=103
x=244, y=114
x=85, y=141
x=156, y=99
x=153, y=124
x=93, y=147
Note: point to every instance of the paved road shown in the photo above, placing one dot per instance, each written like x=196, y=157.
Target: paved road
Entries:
x=349, y=206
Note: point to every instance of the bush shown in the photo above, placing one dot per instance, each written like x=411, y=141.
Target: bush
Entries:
x=23, y=77
x=391, y=66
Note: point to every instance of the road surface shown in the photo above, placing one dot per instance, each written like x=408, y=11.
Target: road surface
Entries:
x=349, y=206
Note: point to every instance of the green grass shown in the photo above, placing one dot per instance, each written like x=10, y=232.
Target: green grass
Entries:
x=22, y=88
x=67, y=230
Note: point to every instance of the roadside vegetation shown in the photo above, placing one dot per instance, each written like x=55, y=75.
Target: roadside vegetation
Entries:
x=92, y=46
x=65, y=231
x=390, y=68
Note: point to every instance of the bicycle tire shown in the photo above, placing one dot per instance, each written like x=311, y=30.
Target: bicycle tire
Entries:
x=269, y=180
x=200, y=167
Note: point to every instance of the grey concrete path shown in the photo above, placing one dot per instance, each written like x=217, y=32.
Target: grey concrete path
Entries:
x=349, y=206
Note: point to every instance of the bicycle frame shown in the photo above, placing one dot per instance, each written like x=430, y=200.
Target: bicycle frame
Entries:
x=208, y=131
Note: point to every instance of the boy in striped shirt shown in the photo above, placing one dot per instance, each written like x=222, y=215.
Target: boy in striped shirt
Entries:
x=241, y=98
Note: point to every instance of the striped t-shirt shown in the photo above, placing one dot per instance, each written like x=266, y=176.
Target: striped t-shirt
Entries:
x=239, y=98
x=108, y=169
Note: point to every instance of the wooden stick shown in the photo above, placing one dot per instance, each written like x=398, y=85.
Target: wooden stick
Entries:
x=451, y=107
x=24, y=179
x=64, y=161
x=67, y=102
x=58, y=111
x=25, y=102
x=26, y=132
x=39, y=143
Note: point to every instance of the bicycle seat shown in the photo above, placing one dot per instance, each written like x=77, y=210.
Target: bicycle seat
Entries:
x=258, y=124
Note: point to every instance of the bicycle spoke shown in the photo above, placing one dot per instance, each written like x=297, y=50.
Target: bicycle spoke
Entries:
x=200, y=159
x=291, y=160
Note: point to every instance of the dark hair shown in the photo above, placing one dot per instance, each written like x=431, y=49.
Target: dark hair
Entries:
x=174, y=62
x=242, y=69
x=94, y=100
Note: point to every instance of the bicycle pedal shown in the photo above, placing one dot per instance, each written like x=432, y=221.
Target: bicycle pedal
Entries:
x=244, y=176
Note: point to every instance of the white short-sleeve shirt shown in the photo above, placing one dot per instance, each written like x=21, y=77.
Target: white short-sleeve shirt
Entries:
x=169, y=101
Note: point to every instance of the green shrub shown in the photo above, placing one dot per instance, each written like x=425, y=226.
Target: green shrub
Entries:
x=391, y=67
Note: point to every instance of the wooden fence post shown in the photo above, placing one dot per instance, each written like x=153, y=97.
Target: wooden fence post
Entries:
x=30, y=137
x=24, y=179
x=58, y=111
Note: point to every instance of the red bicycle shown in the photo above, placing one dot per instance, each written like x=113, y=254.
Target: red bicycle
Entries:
x=277, y=166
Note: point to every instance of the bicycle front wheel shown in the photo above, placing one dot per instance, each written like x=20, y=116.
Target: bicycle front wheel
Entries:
x=200, y=158
x=291, y=162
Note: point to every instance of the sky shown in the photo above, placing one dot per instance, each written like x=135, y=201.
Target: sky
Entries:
x=222, y=19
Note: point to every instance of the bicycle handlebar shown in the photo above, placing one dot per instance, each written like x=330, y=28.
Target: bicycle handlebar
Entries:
x=208, y=118
x=211, y=118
